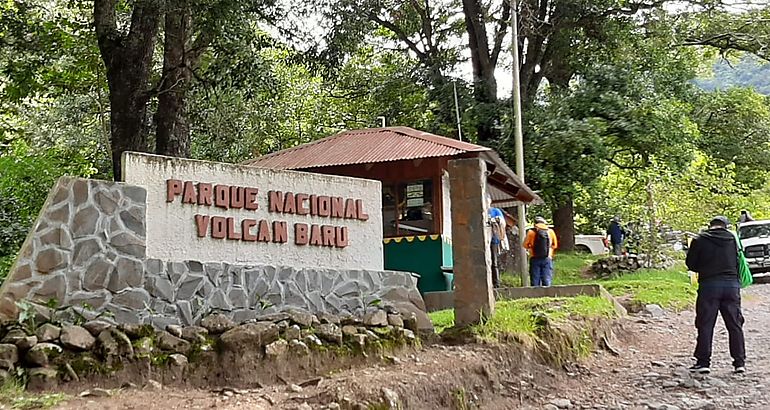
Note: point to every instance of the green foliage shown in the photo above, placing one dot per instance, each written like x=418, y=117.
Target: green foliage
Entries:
x=293, y=105
x=521, y=317
x=13, y=395
x=26, y=179
x=442, y=319
x=670, y=289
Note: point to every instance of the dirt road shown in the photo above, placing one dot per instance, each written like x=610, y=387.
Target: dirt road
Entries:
x=649, y=372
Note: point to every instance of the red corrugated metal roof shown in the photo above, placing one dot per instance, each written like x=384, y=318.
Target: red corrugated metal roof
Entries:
x=366, y=146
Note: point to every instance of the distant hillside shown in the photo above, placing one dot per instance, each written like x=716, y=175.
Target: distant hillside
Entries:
x=748, y=72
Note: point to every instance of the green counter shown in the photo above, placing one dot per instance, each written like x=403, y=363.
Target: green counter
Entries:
x=423, y=255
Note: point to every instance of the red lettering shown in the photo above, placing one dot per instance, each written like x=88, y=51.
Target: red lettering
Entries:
x=350, y=209
x=324, y=206
x=263, y=235
x=360, y=208
x=173, y=188
x=313, y=205
x=328, y=235
x=202, y=223
x=289, y=207
x=204, y=194
x=341, y=237
x=251, y=198
x=222, y=196
x=316, y=238
x=189, y=193
x=338, y=207
x=246, y=226
x=301, y=208
x=280, y=232
x=231, y=232
x=300, y=234
x=218, y=227
x=275, y=201
x=236, y=197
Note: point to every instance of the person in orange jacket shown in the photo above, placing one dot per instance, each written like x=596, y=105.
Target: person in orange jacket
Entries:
x=541, y=243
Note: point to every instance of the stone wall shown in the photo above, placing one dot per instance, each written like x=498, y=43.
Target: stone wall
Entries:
x=88, y=244
x=86, y=253
x=184, y=293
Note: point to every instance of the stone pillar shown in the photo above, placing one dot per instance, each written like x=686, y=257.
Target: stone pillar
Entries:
x=474, y=293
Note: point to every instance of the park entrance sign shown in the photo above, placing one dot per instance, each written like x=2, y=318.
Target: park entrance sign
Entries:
x=180, y=239
x=221, y=212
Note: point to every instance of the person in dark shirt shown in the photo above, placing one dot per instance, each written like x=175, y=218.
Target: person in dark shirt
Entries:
x=714, y=256
x=617, y=235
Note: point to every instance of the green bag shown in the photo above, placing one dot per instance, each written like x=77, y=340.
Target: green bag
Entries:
x=744, y=273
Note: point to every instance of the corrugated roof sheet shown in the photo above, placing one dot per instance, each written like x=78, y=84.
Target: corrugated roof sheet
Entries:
x=366, y=146
x=387, y=144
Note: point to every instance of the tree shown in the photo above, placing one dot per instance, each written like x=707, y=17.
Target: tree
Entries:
x=628, y=110
x=727, y=30
x=425, y=30
x=127, y=50
x=735, y=129
x=190, y=30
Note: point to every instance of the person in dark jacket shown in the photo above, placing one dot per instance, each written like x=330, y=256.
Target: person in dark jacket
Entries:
x=714, y=256
x=617, y=236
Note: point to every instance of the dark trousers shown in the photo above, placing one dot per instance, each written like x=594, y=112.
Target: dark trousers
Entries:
x=727, y=301
x=495, y=251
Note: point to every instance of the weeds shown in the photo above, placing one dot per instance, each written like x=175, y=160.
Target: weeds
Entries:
x=460, y=398
x=670, y=288
x=13, y=395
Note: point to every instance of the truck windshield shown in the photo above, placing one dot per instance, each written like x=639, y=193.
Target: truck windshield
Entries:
x=754, y=231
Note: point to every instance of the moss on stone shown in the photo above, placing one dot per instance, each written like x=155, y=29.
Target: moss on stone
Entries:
x=85, y=364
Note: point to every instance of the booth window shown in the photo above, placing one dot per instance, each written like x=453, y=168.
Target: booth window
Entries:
x=407, y=208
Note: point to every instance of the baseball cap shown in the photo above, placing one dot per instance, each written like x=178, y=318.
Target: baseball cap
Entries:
x=719, y=220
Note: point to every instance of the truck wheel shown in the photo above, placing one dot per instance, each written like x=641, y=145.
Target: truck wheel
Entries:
x=582, y=249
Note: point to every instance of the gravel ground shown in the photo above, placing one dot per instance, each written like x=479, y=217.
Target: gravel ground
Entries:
x=648, y=372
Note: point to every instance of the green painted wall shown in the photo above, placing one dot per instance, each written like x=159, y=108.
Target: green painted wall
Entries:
x=424, y=257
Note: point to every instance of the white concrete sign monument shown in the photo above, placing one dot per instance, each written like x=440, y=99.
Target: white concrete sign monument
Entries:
x=209, y=211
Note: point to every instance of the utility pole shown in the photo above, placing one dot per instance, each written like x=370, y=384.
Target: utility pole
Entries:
x=457, y=113
x=519, y=141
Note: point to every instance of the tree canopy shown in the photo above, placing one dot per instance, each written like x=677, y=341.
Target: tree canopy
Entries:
x=648, y=109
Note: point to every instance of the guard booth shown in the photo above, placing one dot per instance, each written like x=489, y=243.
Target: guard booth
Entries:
x=412, y=167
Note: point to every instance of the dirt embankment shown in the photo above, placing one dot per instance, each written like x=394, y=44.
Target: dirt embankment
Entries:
x=436, y=376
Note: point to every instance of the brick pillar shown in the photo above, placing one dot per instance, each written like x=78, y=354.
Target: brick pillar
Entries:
x=474, y=294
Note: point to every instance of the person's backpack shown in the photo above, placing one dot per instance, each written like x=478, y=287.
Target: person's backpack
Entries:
x=542, y=246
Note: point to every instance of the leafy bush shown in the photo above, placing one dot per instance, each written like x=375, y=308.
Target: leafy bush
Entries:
x=26, y=178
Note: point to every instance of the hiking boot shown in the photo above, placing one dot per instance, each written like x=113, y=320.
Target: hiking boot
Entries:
x=739, y=369
x=699, y=368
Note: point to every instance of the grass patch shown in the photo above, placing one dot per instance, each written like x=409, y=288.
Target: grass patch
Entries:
x=669, y=288
x=13, y=396
x=519, y=318
x=568, y=270
x=442, y=319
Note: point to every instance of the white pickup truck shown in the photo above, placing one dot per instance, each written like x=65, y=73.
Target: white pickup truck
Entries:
x=755, y=237
x=593, y=244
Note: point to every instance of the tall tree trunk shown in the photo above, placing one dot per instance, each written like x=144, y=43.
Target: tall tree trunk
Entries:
x=173, y=132
x=484, y=62
x=564, y=223
x=127, y=59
